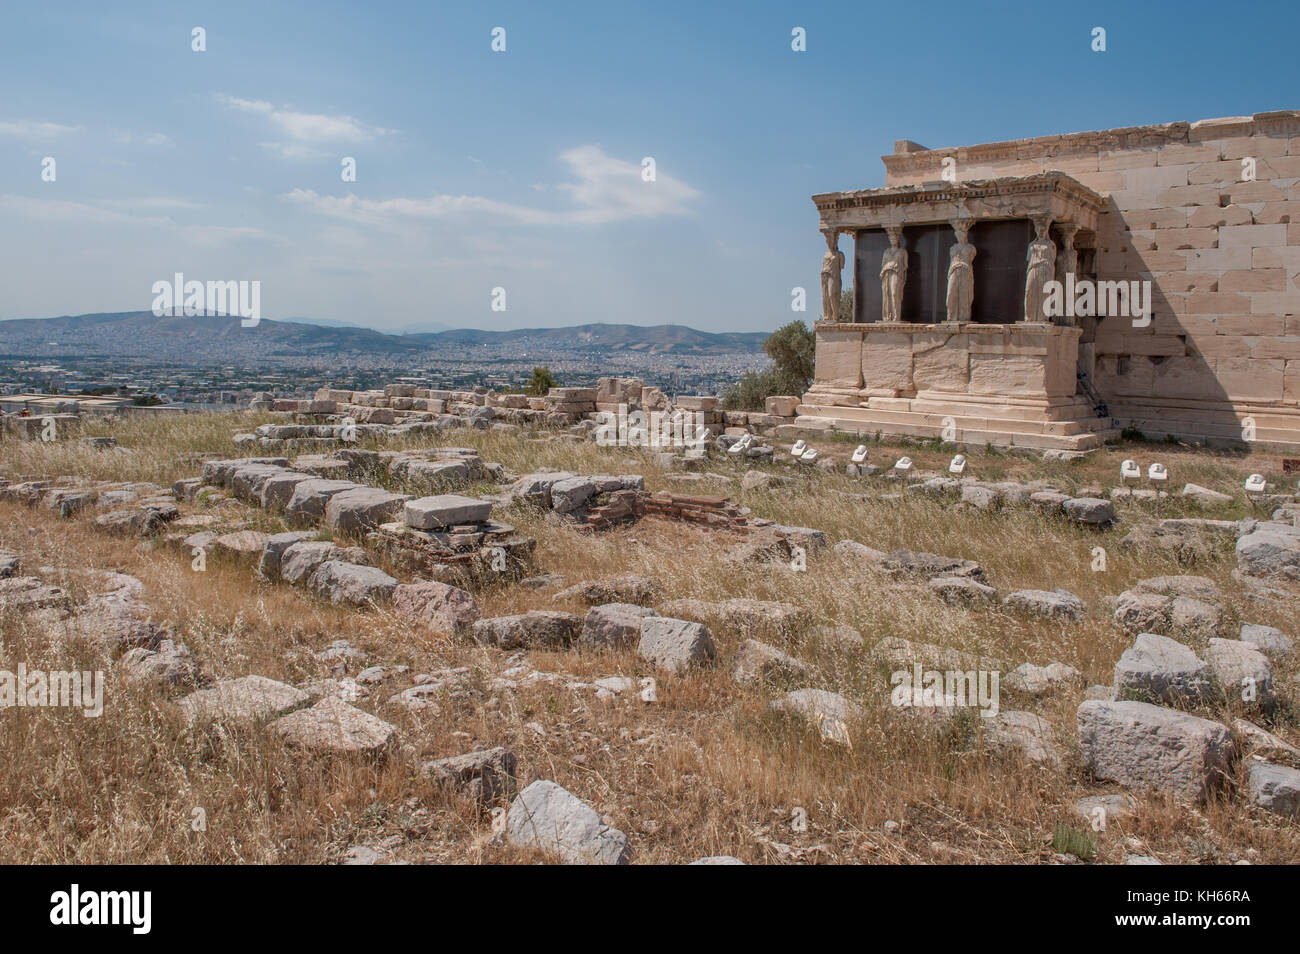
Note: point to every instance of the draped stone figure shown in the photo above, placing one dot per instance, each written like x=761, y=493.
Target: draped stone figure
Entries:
x=893, y=275
x=961, y=274
x=1067, y=263
x=832, y=265
x=1040, y=261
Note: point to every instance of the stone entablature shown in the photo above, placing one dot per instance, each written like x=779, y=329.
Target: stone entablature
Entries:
x=1052, y=194
x=915, y=163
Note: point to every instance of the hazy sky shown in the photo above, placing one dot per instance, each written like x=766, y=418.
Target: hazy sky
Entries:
x=522, y=169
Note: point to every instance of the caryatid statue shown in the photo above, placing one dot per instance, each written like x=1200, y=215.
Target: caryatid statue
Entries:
x=1040, y=269
x=832, y=265
x=961, y=274
x=893, y=275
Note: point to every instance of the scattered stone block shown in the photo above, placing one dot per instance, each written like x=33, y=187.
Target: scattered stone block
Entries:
x=614, y=625
x=550, y=818
x=484, y=777
x=1270, y=641
x=1040, y=680
x=1144, y=746
x=362, y=508
x=625, y=588
x=438, y=606
x=674, y=644
x=1242, y=672
x=336, y=728
x=1024, y=734
x=1275, y=788
x=445, y=510
x=538, y=629
x=1057, y=604
x=961, y=590
x=246, y=699
x=1205, y=497
x=1092, y=511
x=1157, y=667
x=341, y=582
x=757, y=662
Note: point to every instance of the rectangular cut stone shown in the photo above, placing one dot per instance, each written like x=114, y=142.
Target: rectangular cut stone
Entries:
x=887, y=362
x=445, y=510
x=839, y=358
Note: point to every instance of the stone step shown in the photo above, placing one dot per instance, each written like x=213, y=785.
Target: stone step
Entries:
x=971, y=432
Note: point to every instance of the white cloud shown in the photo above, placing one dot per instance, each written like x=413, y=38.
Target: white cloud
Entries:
x=85, y=214
x=607, y=190
x=151, y=202
x=30, y=129
x=149, y=139
x=306, y=127
x=293, y=150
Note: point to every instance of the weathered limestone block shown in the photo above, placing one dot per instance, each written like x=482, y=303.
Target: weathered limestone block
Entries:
x=615, y=625
x=538, y=629
x=484, y=777
x=1242, y=672
x=550, y=818
x=334, y=727
x=307, y=502
x=341, y=582
x=1144, y=746
x=1161, y=668
x=445, y=510
x=1056, y=604
x=1275, y=788
x=758, y=662
x=674, y=644
x=245, y=699
x=362, y=508
x=444, y=608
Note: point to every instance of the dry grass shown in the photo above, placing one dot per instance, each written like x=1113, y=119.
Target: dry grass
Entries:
x=706, y=770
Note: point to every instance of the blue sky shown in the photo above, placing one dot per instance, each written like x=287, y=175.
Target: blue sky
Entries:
x=521, y=169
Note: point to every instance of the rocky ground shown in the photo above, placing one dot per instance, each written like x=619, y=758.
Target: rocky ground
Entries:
x=474, y=644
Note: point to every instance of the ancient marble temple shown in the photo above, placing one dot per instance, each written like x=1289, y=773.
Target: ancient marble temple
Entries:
x=1048, y=292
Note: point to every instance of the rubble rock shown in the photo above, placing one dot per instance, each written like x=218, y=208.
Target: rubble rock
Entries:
x=245, y=699
x=1242, y=672
x=439, y=606
x=615, y=625
x=674, y=644
x=538, y=629
x=341, y=582
x=1157, y=667
x=334, y=727
x=1143, y=746
x=484, y=777
x=758, y=662
x=1057, y=604
x=548, y=817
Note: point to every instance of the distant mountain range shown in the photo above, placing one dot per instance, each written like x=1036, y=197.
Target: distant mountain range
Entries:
x=223, y=340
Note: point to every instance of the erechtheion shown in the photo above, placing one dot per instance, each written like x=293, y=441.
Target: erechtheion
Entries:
x=1049, y=292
